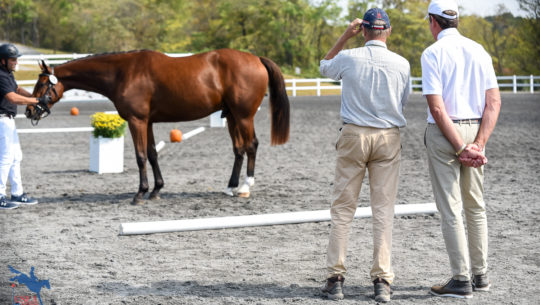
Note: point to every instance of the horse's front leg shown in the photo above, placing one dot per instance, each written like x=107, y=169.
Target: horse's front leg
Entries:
x=138, y=133
x=153, y=159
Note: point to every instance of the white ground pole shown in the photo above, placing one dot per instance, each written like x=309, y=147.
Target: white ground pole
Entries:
x=190, y=134
x=186, y=136
x=160, y=146
x=135, y=228
x=49, y=130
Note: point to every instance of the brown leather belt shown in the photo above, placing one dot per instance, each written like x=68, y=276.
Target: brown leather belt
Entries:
x=468, y=121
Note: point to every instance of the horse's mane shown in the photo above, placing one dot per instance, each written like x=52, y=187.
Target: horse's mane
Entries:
x=105, y=54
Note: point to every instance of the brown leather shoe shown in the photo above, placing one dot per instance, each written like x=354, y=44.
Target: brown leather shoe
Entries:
x=453, y=288
x=333, y=289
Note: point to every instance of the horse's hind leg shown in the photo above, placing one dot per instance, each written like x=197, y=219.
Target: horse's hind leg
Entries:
x=138, y=131
x=153, y=159
x=238, y=155
x=251, y=151
x=250, y=146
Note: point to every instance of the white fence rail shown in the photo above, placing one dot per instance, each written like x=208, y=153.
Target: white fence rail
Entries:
x=515, y=82
x=293, y=85
x=57, y=59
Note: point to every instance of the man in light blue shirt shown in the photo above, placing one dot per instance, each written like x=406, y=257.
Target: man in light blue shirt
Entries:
x=375, y=87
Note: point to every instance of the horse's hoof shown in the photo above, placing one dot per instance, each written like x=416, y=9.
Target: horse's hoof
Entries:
x=154, y=197
x=243, y=191
x=229, y=191
x=244, y=195
x=137, y=201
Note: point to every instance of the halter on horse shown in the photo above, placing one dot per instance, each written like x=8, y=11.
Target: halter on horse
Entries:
x=42, y=108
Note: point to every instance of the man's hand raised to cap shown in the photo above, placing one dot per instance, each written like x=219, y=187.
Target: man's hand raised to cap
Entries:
x=354, y=28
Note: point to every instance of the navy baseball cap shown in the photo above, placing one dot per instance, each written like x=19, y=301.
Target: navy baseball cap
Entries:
x=373, y=15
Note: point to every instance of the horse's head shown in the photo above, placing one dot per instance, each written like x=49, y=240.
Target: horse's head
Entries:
x=45, y=283
x=47, y=85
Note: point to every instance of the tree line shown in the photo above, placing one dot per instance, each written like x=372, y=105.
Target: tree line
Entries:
x=293, y=33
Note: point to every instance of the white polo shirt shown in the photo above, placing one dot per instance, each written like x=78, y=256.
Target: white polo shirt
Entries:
x=460, y=70
x=375, y=85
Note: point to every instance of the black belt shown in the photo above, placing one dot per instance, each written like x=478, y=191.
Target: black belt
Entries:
x=6, y=115
x=468, y=121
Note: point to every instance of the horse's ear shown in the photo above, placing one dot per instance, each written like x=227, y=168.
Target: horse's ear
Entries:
x=44, y=67
x=41, y=63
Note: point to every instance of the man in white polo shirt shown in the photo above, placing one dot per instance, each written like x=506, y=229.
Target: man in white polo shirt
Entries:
x=375, y=89
x=461, y=89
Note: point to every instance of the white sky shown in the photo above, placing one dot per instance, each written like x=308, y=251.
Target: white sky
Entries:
x=479, y=7
x=489, y=7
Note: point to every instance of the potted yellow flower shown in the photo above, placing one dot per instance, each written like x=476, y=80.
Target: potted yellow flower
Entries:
x=107, y=143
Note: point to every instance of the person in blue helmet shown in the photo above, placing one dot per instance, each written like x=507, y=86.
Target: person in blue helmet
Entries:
x=11, y=95
x=375, y=87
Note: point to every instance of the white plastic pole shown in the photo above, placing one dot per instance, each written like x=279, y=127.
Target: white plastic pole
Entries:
x=48, y=130
x=135, y=228
x=190, y=134
x=160, y=146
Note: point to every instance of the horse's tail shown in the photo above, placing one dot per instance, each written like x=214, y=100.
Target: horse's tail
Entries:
x=279, y=103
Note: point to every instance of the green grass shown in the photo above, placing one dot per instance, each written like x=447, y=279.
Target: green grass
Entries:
x=27, y=74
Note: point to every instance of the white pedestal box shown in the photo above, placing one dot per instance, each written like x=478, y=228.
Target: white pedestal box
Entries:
x=106, y=155
x=216, y=120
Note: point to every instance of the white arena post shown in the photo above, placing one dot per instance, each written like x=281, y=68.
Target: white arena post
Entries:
x=135, y=228
x=216, y=120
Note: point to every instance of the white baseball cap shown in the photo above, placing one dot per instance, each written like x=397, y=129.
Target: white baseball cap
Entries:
x=437, y=7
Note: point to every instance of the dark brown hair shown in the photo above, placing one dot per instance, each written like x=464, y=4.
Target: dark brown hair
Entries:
x=444, y=22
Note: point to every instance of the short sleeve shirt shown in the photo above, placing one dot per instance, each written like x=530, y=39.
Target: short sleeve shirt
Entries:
x=7, y=85
x=459, y=70
x=375, y=85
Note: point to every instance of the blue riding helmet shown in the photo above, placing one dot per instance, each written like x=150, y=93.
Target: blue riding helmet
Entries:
x=9, y=51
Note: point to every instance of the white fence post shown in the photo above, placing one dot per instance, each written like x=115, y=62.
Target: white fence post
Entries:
x=216, y=120
x=318, y=87
x=532, y=83
x=515, y=84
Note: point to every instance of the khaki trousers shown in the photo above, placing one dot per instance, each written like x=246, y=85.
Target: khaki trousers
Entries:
x=378, y=151
x=456, y=189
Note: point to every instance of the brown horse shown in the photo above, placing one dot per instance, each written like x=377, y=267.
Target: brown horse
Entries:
x=147, y=87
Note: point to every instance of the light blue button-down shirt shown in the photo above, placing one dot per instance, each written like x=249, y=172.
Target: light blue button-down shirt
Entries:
x=375, y=85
